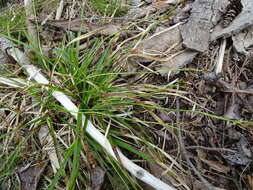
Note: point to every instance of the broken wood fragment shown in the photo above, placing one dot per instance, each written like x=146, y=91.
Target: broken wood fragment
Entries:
x=242, y=21
x=243, y=41
x=219, y=64
x=196, y=32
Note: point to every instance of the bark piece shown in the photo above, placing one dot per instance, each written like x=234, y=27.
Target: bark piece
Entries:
x=196, y=32
x=135, y=2
x=5, y=60
x=5, y=44
x=242, y=21
x=159, y=43
x=243, y=41
x=162, y=4
x=138, y=12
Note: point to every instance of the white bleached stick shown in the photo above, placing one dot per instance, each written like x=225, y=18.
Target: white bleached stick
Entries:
x=220, y=59
x=134, y=169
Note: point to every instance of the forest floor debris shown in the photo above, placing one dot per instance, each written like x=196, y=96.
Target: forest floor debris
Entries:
x=165, y=81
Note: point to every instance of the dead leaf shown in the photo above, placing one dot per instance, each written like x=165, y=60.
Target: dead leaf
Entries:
x=244, y=147
x=160, y=41
x=117, y=184
x=165, y=116
x=177, y=62
x=250, y=181
x=238, y=159
x=216, y=166
x=97, y=178
x=243, y=156
x=233, y=112
x=29, y=175
x=47, y=143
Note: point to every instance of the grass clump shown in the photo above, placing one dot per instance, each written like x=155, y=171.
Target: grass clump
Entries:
x=12, y=19
x=109, y=7
x=90, y=77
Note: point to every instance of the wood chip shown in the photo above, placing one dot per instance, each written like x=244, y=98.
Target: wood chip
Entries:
x=196, y=32
x=243, y=41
